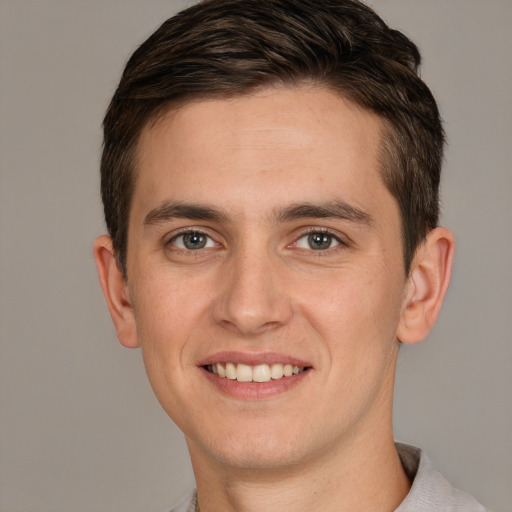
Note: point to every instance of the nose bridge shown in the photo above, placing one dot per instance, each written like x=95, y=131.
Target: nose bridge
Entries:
x=252, y=299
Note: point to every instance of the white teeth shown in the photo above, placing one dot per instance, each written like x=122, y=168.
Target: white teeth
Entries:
x=231, y=371
x=259, y=373
x=221, y=371
x=276, y=371
x=243, y=373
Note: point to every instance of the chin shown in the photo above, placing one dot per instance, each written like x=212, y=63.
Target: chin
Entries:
x=262, y=449
x=261, y=457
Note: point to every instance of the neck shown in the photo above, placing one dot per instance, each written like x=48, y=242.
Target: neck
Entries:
x=366, y=476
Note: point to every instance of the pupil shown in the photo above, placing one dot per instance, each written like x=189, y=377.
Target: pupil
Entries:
x=319, y=241
x=194, y=240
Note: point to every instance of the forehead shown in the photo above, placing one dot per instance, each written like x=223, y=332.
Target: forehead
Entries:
x=279, y=143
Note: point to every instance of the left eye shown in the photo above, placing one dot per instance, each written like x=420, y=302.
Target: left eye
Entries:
x=317, y=241
x=192, y=241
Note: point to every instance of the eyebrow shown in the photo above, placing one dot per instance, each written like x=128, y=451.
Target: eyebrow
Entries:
x=333, y=209
x=175, y=209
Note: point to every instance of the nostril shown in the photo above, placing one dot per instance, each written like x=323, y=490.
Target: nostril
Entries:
x=250, y=297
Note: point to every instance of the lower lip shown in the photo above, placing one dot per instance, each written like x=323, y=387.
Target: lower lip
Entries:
x=254, y=390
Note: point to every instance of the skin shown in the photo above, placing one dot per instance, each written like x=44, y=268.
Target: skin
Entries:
x=258, y=288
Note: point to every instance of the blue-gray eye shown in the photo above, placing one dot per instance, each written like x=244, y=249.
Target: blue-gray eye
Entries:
x=317, y=241
x=193, y=241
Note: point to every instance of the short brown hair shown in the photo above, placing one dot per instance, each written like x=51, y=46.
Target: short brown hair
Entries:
x=224, y=48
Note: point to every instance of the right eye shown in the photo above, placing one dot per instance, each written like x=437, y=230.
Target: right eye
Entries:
x=192, y=241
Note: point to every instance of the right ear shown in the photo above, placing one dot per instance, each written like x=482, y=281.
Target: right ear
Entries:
x=115, y=289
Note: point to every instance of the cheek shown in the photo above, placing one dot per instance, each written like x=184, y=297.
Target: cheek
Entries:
x=354, y=308
x=168, y=311
x=166, y=302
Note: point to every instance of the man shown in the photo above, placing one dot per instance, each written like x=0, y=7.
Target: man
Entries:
x=270, y=180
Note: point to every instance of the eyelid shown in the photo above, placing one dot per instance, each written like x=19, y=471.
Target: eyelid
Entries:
x=342, y=240
x=334, y=241
x=184, y=231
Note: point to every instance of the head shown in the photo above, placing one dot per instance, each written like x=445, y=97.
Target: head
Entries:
x=230, y=48
x=270, y=176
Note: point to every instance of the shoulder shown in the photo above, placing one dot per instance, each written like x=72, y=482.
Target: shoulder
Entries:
x=187, y=503
x=430, y=490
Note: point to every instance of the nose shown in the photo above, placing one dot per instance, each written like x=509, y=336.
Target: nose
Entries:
x=252, y=297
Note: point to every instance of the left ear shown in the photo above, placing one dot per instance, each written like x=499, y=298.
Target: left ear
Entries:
x=426, y=285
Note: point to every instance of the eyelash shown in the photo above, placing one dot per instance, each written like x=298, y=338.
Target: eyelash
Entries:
x=340, y=243
x=185, y=232
x=322, y=231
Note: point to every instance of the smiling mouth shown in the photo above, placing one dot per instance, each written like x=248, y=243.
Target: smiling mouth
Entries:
x=257, y=373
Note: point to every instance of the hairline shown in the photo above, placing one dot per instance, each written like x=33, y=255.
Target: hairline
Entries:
x=386, y=154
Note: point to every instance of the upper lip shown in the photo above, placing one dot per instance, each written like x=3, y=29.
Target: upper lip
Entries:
x=253, y=358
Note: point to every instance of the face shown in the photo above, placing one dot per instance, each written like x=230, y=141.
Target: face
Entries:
x=263, y=241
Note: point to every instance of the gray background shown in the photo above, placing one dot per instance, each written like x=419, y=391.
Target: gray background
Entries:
x=80, y=429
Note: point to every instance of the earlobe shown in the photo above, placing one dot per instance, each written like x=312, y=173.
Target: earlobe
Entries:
x=426, y=285
x=116, y=292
